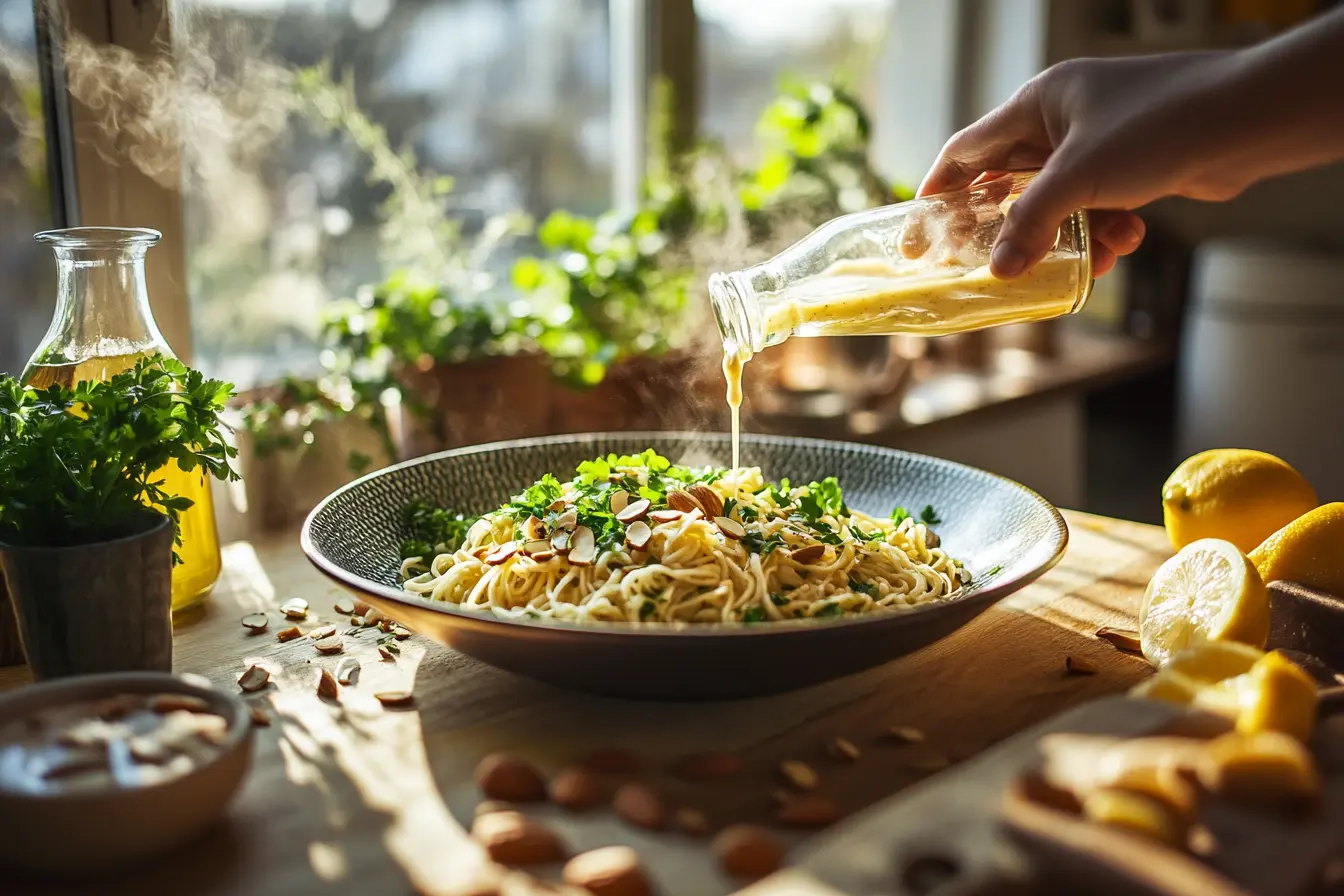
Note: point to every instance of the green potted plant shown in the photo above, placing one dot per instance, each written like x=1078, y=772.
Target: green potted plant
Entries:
x=87, y=532
x=303, y=438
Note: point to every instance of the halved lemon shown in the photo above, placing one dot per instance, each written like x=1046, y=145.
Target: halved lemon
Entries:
x=1209, y=591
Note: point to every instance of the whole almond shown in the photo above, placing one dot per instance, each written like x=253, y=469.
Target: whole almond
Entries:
x=809, y=811
x=613, y=761
x=745, y=850
x=608, y=871
x=637, y=804
x=504, y=777
x=708, y=499
x=511, y=839
x=681, y=501
x=707, y=766
x=576, y=789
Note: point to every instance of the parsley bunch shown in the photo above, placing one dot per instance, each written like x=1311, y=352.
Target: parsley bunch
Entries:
x=82, y=464
x=432, y=530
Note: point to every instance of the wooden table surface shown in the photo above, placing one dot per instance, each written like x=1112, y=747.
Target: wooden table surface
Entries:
x=360, y=800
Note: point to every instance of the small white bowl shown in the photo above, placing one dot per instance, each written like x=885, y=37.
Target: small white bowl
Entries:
x=77, y=833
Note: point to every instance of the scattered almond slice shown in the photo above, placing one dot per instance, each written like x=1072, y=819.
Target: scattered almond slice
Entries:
x=356, y=622
x=843, y=749
x=560, y=541
x=748, y=851
x=395, y=698
x=1076, y=665
x=373, y=617
x=666, y=516
x=635, y=510
x=345, y=606
x=809, y=554
x=905, y=734
x=639, y=805
x=730, y=528
x=255, y=622
x=288, y=634
x=347, y=670
x=326, y=686
x=166, y=703
x=809, y=811
x=325, y=631
x=360, y=607
x=501, y=554
x=582, y=547
x=1120, y=638
x=638, y=534
x=540, y=550
x=619, y=500
x=567, y=520
x=295, y=608
x=385, y=653
x=260, y=717
x=401, y=634
x=332, y=644
x=799, y=774
x=254, y=678
x=534, y=529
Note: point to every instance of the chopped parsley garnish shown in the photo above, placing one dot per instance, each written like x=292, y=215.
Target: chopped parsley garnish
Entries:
x=728, y=507
x=431, y=530
x=900, y=515
x=758, y=544
x=928, y=516
x=647, y=609
x=779, y=600
x=747, y=514
x=754, y=614
x=823, y=498
x=994, y=570
x=858, y=587
x=829, y=610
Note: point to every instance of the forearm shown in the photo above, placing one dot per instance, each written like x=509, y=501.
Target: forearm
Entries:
x=1285, y=100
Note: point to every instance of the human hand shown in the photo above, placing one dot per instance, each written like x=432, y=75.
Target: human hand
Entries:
x=1109, y=135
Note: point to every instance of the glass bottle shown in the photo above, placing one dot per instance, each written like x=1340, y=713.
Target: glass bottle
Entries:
x=102, y=326
x=918, y=268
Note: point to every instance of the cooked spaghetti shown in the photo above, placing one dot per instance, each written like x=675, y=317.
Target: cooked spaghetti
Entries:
x=638, y=539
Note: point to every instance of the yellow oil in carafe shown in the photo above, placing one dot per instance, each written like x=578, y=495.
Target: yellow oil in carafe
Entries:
x=196, y=574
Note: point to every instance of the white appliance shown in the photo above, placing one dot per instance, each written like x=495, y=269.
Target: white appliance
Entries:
x=1262, y=358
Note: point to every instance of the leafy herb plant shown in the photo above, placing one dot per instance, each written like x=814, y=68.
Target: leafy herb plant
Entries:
x=83, y=464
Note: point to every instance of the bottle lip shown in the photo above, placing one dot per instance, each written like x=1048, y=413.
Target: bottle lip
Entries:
x=99, y=237
x=728, y=296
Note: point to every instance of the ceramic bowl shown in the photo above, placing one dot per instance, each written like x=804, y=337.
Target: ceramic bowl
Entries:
x=83, y=833
x=1006, y=534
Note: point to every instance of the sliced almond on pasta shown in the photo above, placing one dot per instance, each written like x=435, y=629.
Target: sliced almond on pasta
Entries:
x=638, y=534
x=560, y=541
x=809, y=554
x=566, y=521
x=708, y=499
x=635, y=510
x=582, y=547
x=730, y=528
x=620, y=499
x=501, y=554
x=534, y=529
x=666, y=516
x=683, y=501
x=539, y=550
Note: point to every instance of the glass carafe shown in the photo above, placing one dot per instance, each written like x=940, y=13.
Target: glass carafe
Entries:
x=102, y=326
x=918, y=268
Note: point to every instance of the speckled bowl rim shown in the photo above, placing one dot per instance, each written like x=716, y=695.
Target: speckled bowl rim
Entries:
x=50, y=694
x=785, y=627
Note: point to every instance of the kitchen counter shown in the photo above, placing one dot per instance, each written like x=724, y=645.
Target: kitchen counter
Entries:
x=355, y=798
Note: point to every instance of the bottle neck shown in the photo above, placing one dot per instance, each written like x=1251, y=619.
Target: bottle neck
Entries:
x=102, y=303
x=740, y=300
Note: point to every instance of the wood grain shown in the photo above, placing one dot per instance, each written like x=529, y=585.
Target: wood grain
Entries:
x=379, y=800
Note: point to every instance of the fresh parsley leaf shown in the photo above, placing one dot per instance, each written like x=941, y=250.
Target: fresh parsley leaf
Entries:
x=900, y=515
x=928, y=516
x=995, y=570
x=825, y=498
x=754, y=614
x=779, y=600
x=80, y=464
x=747, y=514
x=647, y=609
x=858, y=587
x=728, y=507
x=758, y=544
x=860, y=535
x=829, y=610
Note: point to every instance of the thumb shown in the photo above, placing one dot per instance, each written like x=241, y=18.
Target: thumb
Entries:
x=1033, y=221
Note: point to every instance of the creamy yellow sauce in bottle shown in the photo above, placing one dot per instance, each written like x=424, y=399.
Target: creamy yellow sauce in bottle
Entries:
x=866, y=297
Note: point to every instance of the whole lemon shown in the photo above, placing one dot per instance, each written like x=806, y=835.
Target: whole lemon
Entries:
x=1235, y=494
x=1309, y=550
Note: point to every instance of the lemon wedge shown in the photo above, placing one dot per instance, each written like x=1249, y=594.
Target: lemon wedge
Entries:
x=1266, y=769
x=1214, y=661
x=1209, y=591
x=1275, y=695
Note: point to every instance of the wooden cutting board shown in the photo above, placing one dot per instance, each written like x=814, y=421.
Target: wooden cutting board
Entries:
x=959, y=833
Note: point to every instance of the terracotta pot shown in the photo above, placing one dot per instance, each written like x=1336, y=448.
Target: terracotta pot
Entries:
x=484, y=400
x=100, y=607
x=672, y=392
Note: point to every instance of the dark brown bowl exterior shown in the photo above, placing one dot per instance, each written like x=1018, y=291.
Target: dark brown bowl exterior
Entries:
x=1006, y=535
